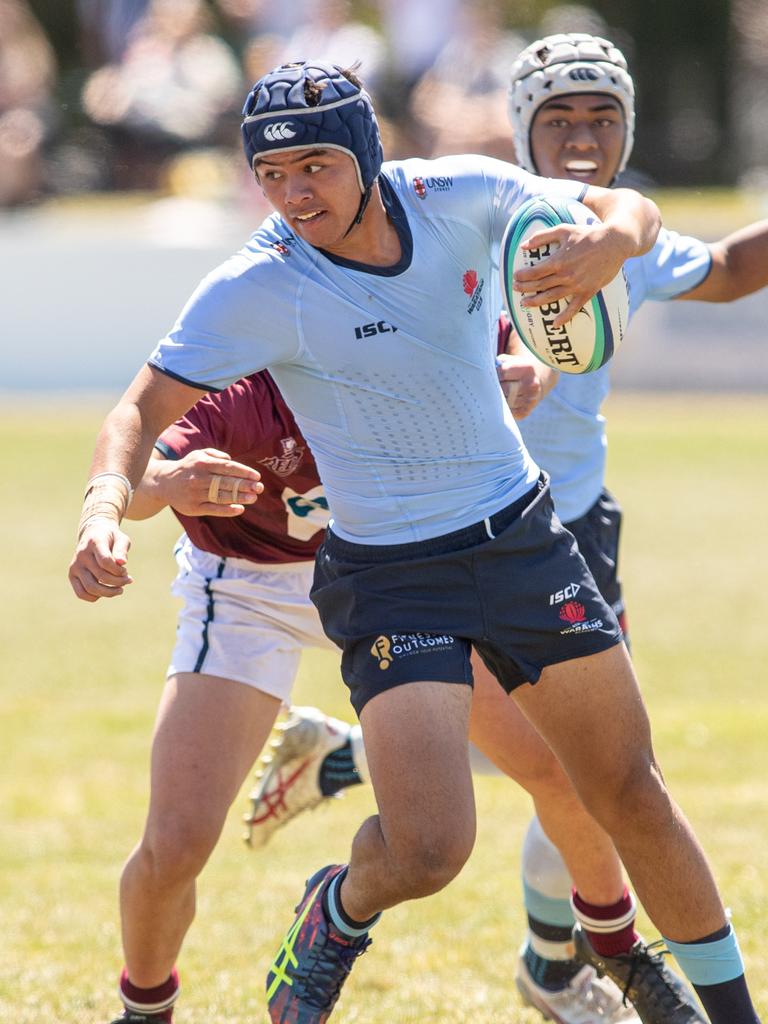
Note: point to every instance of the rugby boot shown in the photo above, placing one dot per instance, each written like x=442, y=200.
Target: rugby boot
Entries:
x=288, y=776
x=658, y=995
x=313, y=961
x=586, y=999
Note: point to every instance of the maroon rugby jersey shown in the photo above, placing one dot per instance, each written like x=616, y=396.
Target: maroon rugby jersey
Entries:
x=504, y=329
x=251, y=422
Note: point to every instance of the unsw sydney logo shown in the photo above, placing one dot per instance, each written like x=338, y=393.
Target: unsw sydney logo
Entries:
x=403, y=645
x=439, y=184
x=283, y=245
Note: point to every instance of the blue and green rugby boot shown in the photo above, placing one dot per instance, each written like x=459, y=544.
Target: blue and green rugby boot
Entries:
x=313, y=961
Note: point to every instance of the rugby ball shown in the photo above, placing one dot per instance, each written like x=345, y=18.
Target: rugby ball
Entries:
x=587, y=341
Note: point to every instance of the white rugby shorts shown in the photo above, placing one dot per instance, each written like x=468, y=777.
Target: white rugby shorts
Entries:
x=243, y=620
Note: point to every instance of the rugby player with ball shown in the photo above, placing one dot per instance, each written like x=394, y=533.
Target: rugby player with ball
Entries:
x=571, y=104
x=442, y=527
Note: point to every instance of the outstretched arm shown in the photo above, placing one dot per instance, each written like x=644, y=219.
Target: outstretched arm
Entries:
x=152, y=401
x=205, y=482
x=588, y=256
x=739, y=266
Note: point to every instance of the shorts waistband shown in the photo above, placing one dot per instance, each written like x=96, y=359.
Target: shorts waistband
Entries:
x=205, y=561
x=467, y=537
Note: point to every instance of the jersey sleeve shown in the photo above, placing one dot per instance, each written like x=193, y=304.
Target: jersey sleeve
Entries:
x=676, y=264
x=203, y=426
x=239, y=320
x=479, y=191
x=511, y=186
x=230, y=420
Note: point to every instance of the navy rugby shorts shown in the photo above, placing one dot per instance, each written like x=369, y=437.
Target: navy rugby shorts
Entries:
x=598, y=533
x=513, y=586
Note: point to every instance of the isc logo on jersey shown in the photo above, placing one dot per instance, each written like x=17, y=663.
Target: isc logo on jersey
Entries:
x=587, y=341
x=371, y=330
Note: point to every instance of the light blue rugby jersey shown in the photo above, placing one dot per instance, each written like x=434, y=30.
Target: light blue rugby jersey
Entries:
x=565, y=433
x=389, y=371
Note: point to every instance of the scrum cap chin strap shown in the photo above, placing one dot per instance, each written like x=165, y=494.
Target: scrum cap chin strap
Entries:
x=364, y=200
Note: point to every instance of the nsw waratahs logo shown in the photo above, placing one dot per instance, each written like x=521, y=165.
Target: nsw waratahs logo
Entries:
x=574, y=614
x=573, y=611
x=420, y=188
x=474, y=288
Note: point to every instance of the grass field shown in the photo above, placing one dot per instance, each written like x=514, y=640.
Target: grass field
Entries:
x=81, y=682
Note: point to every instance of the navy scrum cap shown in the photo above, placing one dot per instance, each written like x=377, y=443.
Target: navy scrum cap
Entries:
x=277, y=117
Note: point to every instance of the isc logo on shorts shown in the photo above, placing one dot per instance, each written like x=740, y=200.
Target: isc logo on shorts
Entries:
x=402, y=645
x=565, y=594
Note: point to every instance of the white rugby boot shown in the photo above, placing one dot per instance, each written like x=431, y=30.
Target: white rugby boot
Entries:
x=288, y=773
x=587, y=999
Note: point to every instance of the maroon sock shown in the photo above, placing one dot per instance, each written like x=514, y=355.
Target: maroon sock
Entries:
x=611, y=929
x=157, y=1001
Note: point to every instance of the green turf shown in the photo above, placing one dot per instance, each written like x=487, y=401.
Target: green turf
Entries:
x=80, y=683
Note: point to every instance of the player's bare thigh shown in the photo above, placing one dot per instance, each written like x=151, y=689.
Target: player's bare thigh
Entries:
x=208, y=733
x=591, y=712
x=501, y=731
x=424, y=723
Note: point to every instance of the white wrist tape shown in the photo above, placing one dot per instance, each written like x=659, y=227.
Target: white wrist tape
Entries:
x=118, y=476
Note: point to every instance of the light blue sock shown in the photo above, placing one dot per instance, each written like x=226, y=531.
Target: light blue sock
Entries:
x=709, y=963
x=548, y=909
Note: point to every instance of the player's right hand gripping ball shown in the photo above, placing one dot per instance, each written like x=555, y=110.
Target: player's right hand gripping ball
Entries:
x=587, y=341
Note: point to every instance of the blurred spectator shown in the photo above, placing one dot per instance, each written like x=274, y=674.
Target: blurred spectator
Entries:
x=461, y=100
x=168, y=94
x=106, y=27
x=573, y=17
x=749, y=20
x=262, y=53
x=329, y=33
x=416, y=32
x=27, y=77
x=253, y=18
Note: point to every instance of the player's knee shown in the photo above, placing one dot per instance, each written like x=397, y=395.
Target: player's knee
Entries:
x=635, y=791
x=546, y=776
x=177, y=851
x=428, y=864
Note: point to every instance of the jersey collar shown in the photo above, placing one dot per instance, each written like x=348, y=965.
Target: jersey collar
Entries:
x=397, y=215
